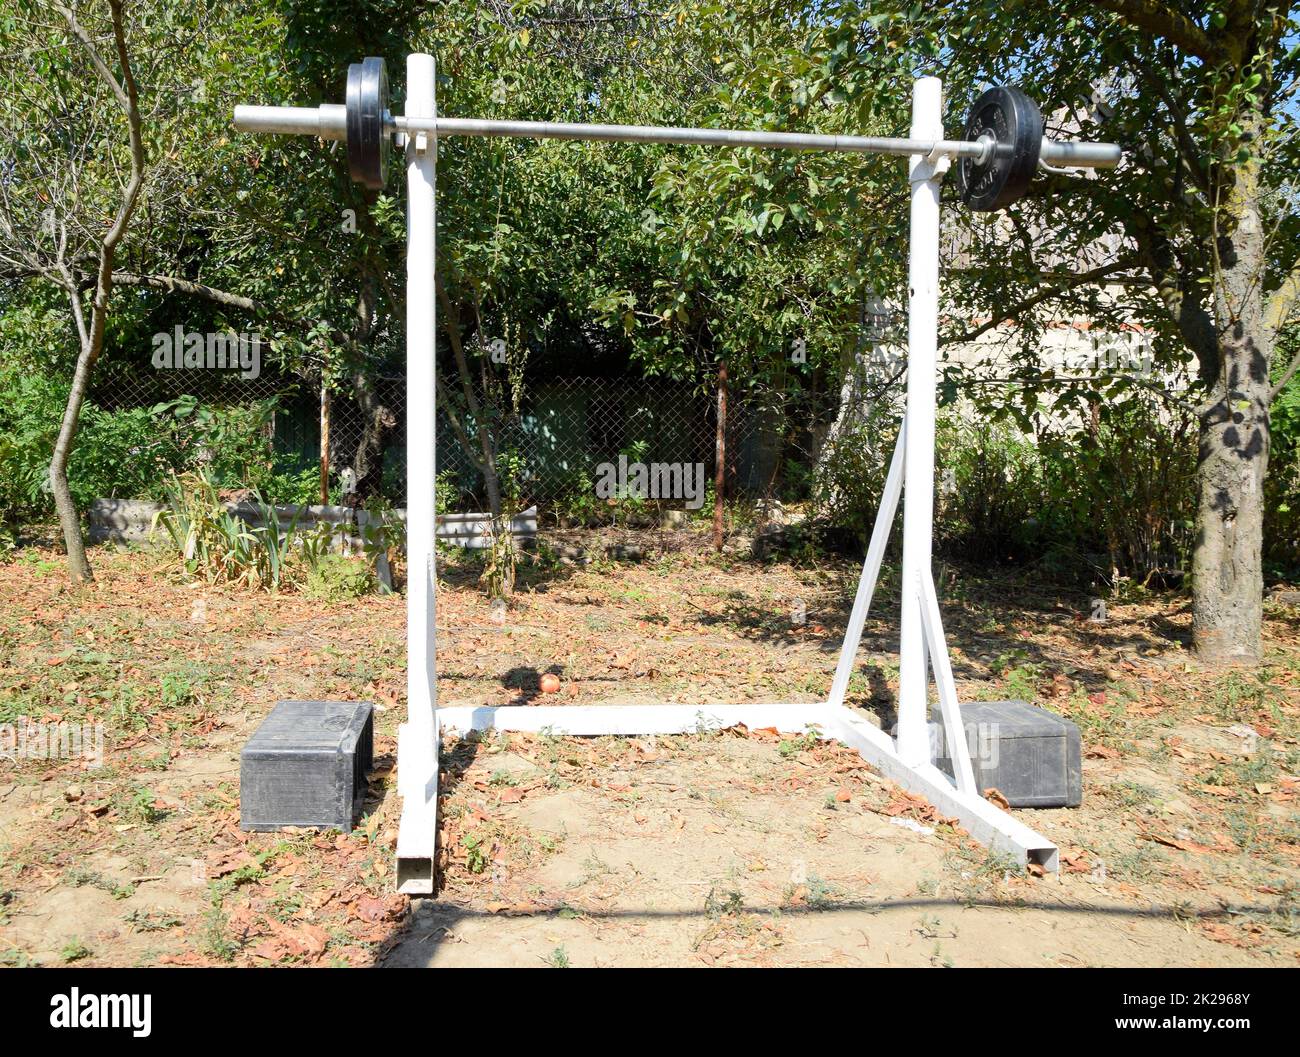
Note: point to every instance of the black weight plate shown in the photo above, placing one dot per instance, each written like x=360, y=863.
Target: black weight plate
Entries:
x=367, y=116
x=1017, y=125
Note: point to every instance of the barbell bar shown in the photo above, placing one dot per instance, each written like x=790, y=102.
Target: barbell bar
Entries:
x=1002, y=148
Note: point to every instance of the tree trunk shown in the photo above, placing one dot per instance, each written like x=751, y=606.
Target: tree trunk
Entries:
x=1227, y=607
x=377, y=421
x=486, y=464
x=91, y=337
x=69, y=519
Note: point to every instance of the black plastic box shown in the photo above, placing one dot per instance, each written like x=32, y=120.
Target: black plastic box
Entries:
x=1031, y=756
x=306, y=765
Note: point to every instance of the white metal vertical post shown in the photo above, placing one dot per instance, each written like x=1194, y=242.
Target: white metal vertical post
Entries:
x=417, y=747
x=925, y=173
x=870, y=570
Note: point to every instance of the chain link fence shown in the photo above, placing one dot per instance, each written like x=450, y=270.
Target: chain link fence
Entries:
x=566, y=439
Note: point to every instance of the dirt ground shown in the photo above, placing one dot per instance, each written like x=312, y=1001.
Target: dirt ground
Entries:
x=730, y=848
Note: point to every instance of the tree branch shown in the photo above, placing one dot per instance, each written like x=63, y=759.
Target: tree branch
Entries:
x=1287, y=375
x=1191, y=154
x=74, y=301
x=1010, y=314
x=1177, y=28
x=1282, y=303
x=129, y=98
x=169, y=283
x=173, y=285
x=124, y=98
x=91, y=337
x=1168, y=276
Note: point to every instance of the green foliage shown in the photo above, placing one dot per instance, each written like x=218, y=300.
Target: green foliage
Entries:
x=688, y=256
x=290, y=481
x=119, y=454
x=1073, y=496
x=339, y=577
x=74, y=950
x=1125, y=488
x=29, y=417
x=228, y=442
x=177, y=689
x=447, y=493
x=500, y=560
x=218, y=545
x=1189, y=122
x=990, y=482
x=501, y=557
x=133, y=452
x=139, y=806
x=577, y=503
x=742, y=254
x=381, y=533
x=851, y=474
x=215, y=937
x=272, y=553
x=1282, y=487
x=476, y=855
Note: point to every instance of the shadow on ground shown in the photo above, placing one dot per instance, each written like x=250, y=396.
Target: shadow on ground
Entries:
x=433, y=923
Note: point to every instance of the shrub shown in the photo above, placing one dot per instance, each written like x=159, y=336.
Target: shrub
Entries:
x=28, y=418
x=220, y=546
x=1125, y=486
x=227, y=442
x=850, y=474
x=1282, y=486
x=446, y=493
x=118, y=454
x=576, y=503
x=990, y=489
x=272, y=554
x=339, y=577
x=1116, y=491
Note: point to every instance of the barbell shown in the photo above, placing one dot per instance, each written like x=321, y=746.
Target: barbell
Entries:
x=1003, y=145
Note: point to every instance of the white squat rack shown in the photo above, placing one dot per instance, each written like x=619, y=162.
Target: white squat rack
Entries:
x=905, y=759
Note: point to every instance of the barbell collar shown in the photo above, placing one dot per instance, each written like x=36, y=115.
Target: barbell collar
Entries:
x=328, y=121
x=1079, y=153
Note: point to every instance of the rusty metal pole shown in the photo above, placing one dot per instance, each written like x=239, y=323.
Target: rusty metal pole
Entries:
x=324, y=442
x=720, y=457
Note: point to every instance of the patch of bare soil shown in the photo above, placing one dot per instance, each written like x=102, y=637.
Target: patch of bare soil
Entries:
x=745, y=848
x=733, y=848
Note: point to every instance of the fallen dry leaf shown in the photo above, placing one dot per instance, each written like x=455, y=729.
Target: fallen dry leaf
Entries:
x=381, y=908
x=229, y=861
